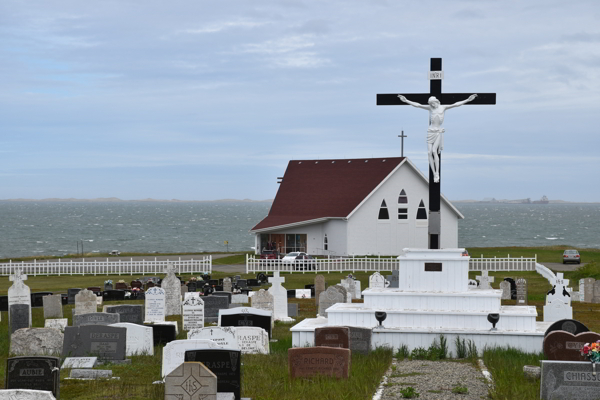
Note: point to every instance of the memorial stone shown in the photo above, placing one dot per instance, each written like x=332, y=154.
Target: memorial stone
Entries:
x=252, y=283
x=224, y=363
x=239, y=299
x=193, y=313
x=566, y=380
x=252, y=340
x=85, y=302
x=80, y=362
x=96, y=319
x=344, y=292
x=242, y=283
x=174, y=352
x=162, y=333
x=132, y=313
x=104, y=342
x=521, y=292
x=139, y=339
x=303, y=293
x=588, y=289
x=376, y=281
x=228, y=295
x=596, y=298
x=114, y=295
x=564, y=346
x=263, y=300
x=26, y=394
x=191, y=381
x=348, y=284
x=71, y=294
x=568, y=325
x=52, y=306
x=172, y=287
x=155, y=305
x=292, y=309
x=332, y=336
x=224, y=336
x=58, y=323
x=212, y=305
x=308, y=362
x=19, y=317
x=394, y=279
x=319, y=287
x=485, y=280
x=227, y=285
x=513, y=288
x=37, y=373
x=90, y=374
x=505, y=287
x=36, y=342
x=328, y=298
x=360, y=340
x=279, y=298
x=19, y=292
x=37, y=298
x=246, y=316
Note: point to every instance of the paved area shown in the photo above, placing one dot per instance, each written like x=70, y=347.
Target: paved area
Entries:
x=560, y=267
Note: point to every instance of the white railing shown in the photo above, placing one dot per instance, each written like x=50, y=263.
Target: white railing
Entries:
x=108, y=267
x=503, y=264
x=366, y=264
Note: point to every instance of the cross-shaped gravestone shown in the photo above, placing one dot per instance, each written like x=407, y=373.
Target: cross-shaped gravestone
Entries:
x=18, y=276
x=435, y=132
x=276, y=280
x=559, y=290
x=485, y=280
x=279, y=293
x=170, y=269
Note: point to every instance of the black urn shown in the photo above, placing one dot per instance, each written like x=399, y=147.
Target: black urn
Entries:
x=493, y=319
x=380, y=316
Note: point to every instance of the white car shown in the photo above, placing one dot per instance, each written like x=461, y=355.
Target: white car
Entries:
x=115, y=253
x=290, y=258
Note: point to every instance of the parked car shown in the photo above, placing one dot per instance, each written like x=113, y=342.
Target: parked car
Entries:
x=115, y=253
x=291, y=257
x=465, y=253
x=571, y=256
x=269, y=255
x=305, y=263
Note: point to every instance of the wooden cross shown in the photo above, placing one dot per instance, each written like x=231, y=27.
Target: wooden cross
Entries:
x=435, y=89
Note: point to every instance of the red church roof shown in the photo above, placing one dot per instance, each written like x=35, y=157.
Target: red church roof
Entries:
x=314, y=189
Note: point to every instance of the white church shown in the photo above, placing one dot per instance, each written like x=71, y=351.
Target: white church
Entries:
x=370, y=206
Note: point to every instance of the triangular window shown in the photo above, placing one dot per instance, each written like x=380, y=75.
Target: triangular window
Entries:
x=402, y=206
x=383, y=211
x=422, y=211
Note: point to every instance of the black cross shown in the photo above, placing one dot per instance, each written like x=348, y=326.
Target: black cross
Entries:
x=435, y=89
x=402, y=138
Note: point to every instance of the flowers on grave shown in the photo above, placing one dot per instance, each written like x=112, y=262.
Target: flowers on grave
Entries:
x=135, y=289
x=193, y=279
x=108, y=282
x=591, y=351
x=121, y=281
x=127, y=294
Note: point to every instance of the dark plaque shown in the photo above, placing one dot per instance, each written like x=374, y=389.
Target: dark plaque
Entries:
x=3, y=303
x=252, y=282
x=247, y=319
x=223, y=294
x=225, y=364
x=564, y=346
x=162, y=334
x=360, y=340
x=114, y=295
x=128, y=313
x=104, y=342
x=242, y=283
x=572, y=326
x=34, y=373
x=19, y=317
x=192, y=286
x=334, y=336
x=213, y=282
x=433, y=267
x=212, y=305
x=71, y=294
x=36, y=298
x=291, y=293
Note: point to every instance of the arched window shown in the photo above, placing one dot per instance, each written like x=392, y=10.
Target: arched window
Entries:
x=325, y=243
x=383, y=211
x=402, y=206
x=421, y=214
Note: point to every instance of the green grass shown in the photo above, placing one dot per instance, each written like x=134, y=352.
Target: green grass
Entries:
x=506, y=367
x=544, y=254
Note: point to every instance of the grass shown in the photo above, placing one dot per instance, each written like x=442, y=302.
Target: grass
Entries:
x=544, y=254
x=506, y=367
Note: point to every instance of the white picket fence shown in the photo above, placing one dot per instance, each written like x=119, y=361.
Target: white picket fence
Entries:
x=108, y=267
x=366, y=264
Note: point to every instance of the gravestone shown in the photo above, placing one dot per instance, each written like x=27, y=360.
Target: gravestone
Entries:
x=239, y=298
x=293, y=309
x=19, y=317
x=172, y=287
x=212, y=305
x=224, y=336
x=308, y=362
x=332, y=336
x=52, y=306
x=104, y=342
x=357, y=290
x=26, y=394
x=85, y=302
x=80, y=362
x=394, y=279
x=57, y=323
x=246, y=316
x=588, y=289
x=252, y=283
x=344, y=292
x=319, y=287
x=302, y=293
x=564, y=346
x=139, y=339
x=162, y=333
x=174, y=352
x=90, y=374
x=136, y=284
x=568, y=325
x=155, y=305
x=96, y=319
x=566, y=380
x=360, y=340
x=376, y=281
x=36, y=373
x=596, y=298
x=263, y=300
x=558, y=300
x=224, y=363
x=121, y=286
x=348, y=284
x=3, y=303
x=37, y=298
x=228, y=295
x=113, y=295
x=36, y=342
x=192, y=286
x=505, y=287
x=132, y=313
x=252, y=340
x=71, y=294
x=184, y=290
x=227, y=285
x=485, y=280
x=19, y=292
x=242, y=283
x=279, y=298
x=108, y=286
x=328, y=298
x=521, y=292
x=191, y=381
x=513, y=288
x=193, y=313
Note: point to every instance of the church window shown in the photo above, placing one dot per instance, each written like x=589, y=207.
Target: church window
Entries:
x=325, y=243
x=383, y=211
x=402, y=206
x=421, y=212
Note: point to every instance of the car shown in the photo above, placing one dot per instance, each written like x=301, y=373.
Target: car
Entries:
x=291, y=257
x=571, y=256
x=301, y=261
x=115, y=253
x=465, y=253
x=269, y=255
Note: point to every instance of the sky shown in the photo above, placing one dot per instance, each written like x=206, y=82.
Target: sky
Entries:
x=206, y=100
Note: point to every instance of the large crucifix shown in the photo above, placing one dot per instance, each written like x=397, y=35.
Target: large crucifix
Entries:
x=437, y=103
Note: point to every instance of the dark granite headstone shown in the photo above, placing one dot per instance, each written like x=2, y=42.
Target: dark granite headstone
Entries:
x=312, y=289
x=218, y=288
x=71, y=293
x=247, y=319
x=242, y=283
x=292, y=309
x=19, y=317
x=3, y=303
x=360, y=340
x=212, y=305
x=162, y=333
x=334, y=336
x=114, y=295
x=291, y=293
x=213, y=282
x=224, y=294
x=128, y=312
x=225, y=364
x=567, y=380
x=394, y=279
x=97, y=318
x=564, y=346
x=34, y=373
x=569, y=325
x=513, y=288
x=96, y=289
x=36, y=298
x=252, y=283
x=64, y=297
x=192, y=286
x=104, y=342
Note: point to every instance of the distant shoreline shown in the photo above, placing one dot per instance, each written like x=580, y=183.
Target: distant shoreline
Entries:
x=525, y=204
x=117, y=200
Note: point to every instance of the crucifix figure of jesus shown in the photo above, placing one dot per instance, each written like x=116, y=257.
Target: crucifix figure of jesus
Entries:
x=435, y=132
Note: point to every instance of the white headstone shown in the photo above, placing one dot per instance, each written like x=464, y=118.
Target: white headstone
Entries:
x=239, y=298
x=26, y=394
x=349, y=285
x=174, y=352
x=263, y=300
x=485, y=280
x=187, y=295
x=227, y=286
x=505, y=287
x=80, y=362
x=19, y=292
x=303, y=293
x=85, y=302
x=193, y=313
x=155, y=305
x=357, y=291
x=224, y=336
x=252, y=340
x=280, y=308
x=172, y=287
x=140, y=340
x=57, y=323
x=376, y=281
x=558, y=300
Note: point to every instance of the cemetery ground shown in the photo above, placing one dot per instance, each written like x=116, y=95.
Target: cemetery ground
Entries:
x=267, y=377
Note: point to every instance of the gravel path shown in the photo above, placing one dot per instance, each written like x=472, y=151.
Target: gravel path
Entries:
x=435, y=380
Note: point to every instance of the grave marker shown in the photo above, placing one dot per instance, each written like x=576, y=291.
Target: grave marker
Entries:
x=193, y=313
x=521, y=292
x=174, y=352
x=132, y=313
x=376, y=281
x=155, y=305
x=96, y=319
x=224, y=336
x=19, y=317
x=263, y=300
x=85, y=302
x=310, y=361
x=37, y=373
x=279, y=298
x=224, y=363
x=139, y=339
x=252, y=340
x=36, y=342
x=328, y=298
x=332, y=336
x=172, y=287
x=52, y=306
x=104, y=342
x=564, y=346
x=485, y=280
x=505, y=287
x=319, y=287
x=18, y=292
x=212, y=306
x=246, y=316
x=58, y=323
x=191, y=381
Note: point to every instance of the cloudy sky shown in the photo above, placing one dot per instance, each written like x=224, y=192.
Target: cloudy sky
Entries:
x=204, y=100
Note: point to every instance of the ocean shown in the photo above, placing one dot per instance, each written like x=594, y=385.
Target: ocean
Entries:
x=29, y=228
